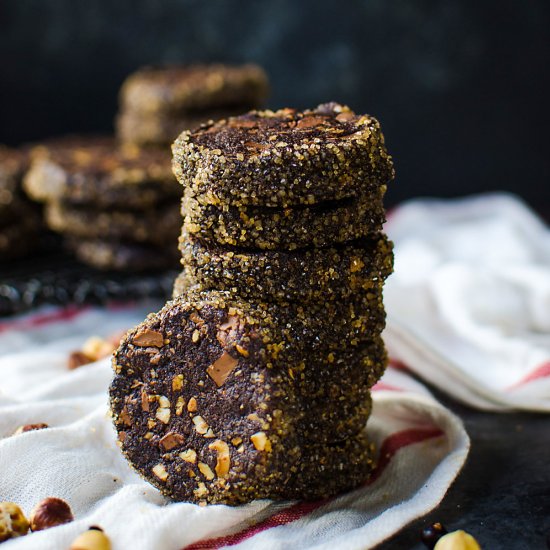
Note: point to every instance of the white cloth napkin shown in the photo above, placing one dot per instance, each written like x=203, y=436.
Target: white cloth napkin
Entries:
x=422, y=448
x=469, y=302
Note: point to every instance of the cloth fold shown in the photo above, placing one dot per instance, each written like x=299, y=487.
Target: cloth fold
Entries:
x=469, y=301
x=422, y=447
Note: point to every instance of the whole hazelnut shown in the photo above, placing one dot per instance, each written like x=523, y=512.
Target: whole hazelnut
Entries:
x=457, y=540
x=50, y=512
x=93, y=539
x=30, y=428
x=13, y=522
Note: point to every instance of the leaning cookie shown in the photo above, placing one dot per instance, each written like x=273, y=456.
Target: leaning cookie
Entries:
x=188, y=89
x=254, y=227
x=283, y=158
x=123, y=256
x=96, y=171
x=324, y=274
x=157, y=224
x=203, y=412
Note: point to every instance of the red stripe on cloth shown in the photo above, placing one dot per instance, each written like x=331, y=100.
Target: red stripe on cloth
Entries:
x=542, y=371
x=62, y=314
x=386, y=387
x=388, y=449
x=398, y=364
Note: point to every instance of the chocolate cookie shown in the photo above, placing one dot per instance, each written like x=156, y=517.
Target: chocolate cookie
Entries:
x=193, y=88
x=123, y=256
x=160, y=224
x=255, y=227
x=18, y=238
x=283, y=158
x=96, y=171
x=210, y=406
x=162, y=129
x=324, y=274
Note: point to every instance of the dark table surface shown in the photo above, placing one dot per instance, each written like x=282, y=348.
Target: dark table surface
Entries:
x=502, y=496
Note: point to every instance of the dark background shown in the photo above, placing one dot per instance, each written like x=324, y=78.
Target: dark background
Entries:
x=461, y=87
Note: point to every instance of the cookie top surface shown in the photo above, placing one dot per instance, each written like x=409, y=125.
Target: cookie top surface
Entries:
x=96, y=170
x=193, y=87
x=284, y=157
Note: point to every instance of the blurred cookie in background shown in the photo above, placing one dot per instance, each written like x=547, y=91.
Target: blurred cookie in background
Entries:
x=118, y=206
x=157, y=104
x=20, y=219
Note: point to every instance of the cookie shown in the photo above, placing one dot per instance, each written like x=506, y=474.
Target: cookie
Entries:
x=208, y=406
x=13, y=164
x=157, y=225
x=322, y=324
x=184, y=89
x=253, y=227
x=18, y=238
x=95, y=171
x=325, y=274
x=123, y=256
x=283, y=158
x=162, y=129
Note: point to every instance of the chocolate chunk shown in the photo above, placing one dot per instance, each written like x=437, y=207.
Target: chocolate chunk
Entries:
x=221, y=368
x=147, y=338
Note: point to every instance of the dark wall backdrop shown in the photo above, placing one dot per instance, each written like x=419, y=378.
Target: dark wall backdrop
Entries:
x=461, y=86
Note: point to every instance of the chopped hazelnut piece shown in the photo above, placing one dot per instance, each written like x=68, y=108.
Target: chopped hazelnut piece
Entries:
x=30, y=428
x=77, y=359
x=261, y=442
x=177, y=382
x=223, y=459
x=209, y=433
x=144, y=401
x=237, y=441
x=148, y=338
x=151, y=423
x=163, y=414
x=160, y=471
x=201, y=426
x=189, y=456
x=164, y=402
x=124, y=416
x=172, y=440
x=192, y=405
x=196, y=336
x=221, y=368
x=201, y=490
x=206, y=471
x=180, y=403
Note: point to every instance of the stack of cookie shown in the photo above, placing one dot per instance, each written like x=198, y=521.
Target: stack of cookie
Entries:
x=254, y=382
x=157, y=104
x=117, y=206
x=20, y=220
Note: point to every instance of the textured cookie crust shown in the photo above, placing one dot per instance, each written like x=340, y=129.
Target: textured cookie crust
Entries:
x=324, y=274
x=123, y=256
x=209, y=409
x=254, y=227
x=157, y=225
x=283, y=158
x=182, y=89
x=96, y=171
x=162, y=129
